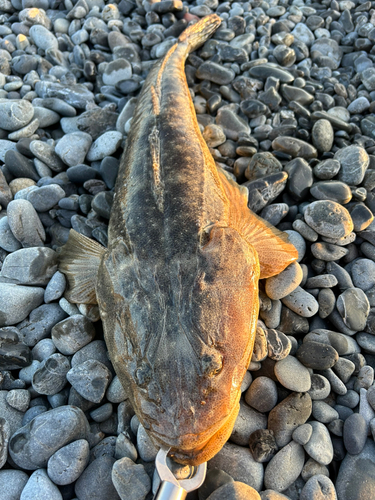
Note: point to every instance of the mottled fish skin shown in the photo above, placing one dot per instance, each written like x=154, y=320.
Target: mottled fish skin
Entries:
x=178, y=286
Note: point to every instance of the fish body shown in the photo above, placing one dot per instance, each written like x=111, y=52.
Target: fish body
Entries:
x=177, y=287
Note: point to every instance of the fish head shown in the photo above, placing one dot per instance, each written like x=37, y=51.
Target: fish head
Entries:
x=180, y=336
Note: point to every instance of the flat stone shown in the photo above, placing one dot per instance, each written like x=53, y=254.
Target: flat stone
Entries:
x=267, y=70
x=262, y=394
x=214, y=72
x=329, y=50
x=46, y=197
x=117, y=71
x=25, y=224
x=20, y=166
x=105, y=145
x=355, y=433
x=233, y=491
x=30, y=266
x=354, y=308
x=301, y=302
x=46, y=153
x=327, y=169
x=336, y=191
x=40, y=322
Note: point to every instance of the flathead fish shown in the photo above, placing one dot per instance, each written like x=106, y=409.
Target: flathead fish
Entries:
x=177, y=287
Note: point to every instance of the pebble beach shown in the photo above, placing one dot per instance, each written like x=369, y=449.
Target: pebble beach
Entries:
x=284, y=94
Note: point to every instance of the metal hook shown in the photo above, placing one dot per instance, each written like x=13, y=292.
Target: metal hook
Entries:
x=172, y=489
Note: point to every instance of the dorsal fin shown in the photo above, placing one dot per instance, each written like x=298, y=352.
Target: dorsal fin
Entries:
x=275, y=252
x=79, y=260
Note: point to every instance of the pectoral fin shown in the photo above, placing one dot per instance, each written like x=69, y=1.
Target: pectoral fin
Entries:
x=79, y=261
x=275, y=252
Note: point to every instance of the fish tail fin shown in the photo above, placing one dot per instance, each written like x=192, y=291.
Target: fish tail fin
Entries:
x=196, y=34
x=79, y=260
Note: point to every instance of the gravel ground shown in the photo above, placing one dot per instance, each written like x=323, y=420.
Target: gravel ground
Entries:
x=285, y=97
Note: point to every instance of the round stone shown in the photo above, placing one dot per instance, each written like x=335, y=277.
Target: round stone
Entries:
x=73, y=148
x=12, y=482
x=262, y=164
x=279, y=345
x=15, y=114
x=96, y=480
x=117, y=71
x=318, y=486
x=302, y=434
x=25, y=224
x=320, y=446
x=327, y=169
x=67, y=464
x=43, y=38
x=301, y=302
x=16, y=302
x=105, y=145
x=46, y=197
x=262, y=394
x=285, y=467
x=292, y=374
x=324, y=413
x=40, y=486
x=248, y=421
x=354, y=162
x=328, y=218
x=322, y=135
x=73, y=333
x=50, y=377
x=130, y=480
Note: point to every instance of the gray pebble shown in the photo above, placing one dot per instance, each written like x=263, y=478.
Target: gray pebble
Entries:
x=73, y=333
x=46, y=154
x=297, y=240
x=328, y=218
x=30, y=266
x=25, y=223
x=322, y=135
x=49, y=378
x=131, y=480
x=363, y=274
x=32, y=445
x=40, y=322
x=327, y=169
x=316, y=355
x=247, y=421
x=55, y=287
x=15, y=114
x=4, y=440
x=302, y=434
x=234, y=490
x=72, y=148
x=344, y=368
x=320, y=387
x=46, y=197
x=354, y=308
x=319, y=446
x=354, y=162
x=316, y=486
x=90, y=379
x=12, y=482
x=17, y=301
x=285, y=467
x=328, y=252
x=40, y=486
x=146, y=448
x=288, y=415
x=7, y=241
x=262, y=394
x=105, y=145
x=43, y=38
x=116, y=392
x=125, y=448
x=238, y=462
x=18, y=399
x=355, y=480
x=281, y=285
x=95, y=483
x=301, y=302
x=67, y=464
x=324, y=413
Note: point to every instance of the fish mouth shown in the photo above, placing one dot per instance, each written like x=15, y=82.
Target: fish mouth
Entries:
x=197, y=449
